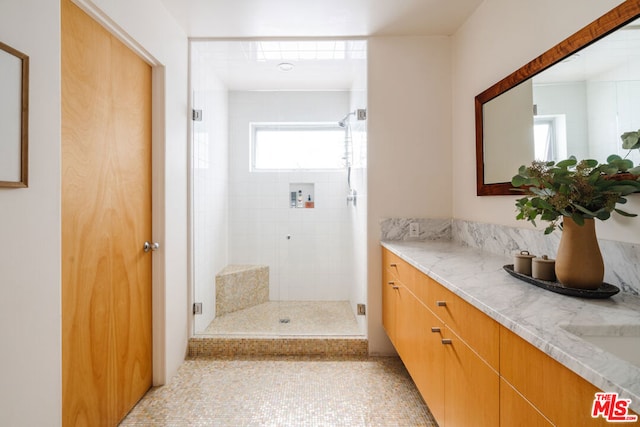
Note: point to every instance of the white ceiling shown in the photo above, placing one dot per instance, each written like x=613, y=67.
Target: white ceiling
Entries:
x=319, y=18
x=253, y=65
x=284, y=21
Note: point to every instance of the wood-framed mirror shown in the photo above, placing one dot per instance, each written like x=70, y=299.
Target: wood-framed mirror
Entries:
x=14, y=117
x=540, y=112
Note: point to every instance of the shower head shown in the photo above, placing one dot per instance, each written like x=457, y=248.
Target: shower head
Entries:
x=342, y=123
x=361, y=114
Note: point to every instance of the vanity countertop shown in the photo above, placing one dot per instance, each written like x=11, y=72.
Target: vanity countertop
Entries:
x=537, y=315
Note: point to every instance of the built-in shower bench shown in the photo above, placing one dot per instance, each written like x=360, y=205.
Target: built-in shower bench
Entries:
x=241, y=286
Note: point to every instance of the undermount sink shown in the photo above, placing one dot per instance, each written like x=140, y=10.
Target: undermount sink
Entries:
x=622, y=341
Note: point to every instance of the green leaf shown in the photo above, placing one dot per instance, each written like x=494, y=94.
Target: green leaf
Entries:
x=590, y=163
x=578, y=218
x=518, y=181
x=549, y=216
x=571, y=161
x=630, y=140
x=585, y=210
x=635, y=171
x=613, y=157
x=625, y=165
x=624, y=213
x=609, y=169
x=623, y=189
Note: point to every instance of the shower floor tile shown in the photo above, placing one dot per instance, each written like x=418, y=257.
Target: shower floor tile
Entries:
x=284, y=392
x=288, y=318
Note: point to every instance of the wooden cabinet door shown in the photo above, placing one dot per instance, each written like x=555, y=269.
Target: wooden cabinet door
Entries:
x=472, y=387
x=430, y=369
x=106, y=218
x=389, y=283
x=407, y=333
x=564, y=397
x=516, y=411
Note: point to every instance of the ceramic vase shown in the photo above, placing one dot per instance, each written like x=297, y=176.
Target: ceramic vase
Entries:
x=579, y=262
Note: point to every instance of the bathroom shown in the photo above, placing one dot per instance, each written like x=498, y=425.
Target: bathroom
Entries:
x=295, y=220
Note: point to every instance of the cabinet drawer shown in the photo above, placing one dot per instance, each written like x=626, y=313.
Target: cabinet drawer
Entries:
x=400, y=269
x=479, y=331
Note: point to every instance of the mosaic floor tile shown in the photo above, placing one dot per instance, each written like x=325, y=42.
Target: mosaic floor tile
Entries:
x=285, y=391
x=333, y=318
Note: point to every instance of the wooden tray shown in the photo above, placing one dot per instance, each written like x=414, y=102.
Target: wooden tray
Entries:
x=604, y=291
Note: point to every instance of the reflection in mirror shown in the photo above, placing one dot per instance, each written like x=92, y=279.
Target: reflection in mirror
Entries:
x=595, y=94
x=579, y=104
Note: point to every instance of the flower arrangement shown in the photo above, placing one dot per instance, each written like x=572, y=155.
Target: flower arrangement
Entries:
x=578, y=189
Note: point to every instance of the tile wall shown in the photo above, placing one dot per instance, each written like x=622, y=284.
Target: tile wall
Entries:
x=309, y=251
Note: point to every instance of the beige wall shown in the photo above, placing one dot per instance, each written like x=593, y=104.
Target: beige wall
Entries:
x=30, y=359
x=500, y=37
x=409, y=148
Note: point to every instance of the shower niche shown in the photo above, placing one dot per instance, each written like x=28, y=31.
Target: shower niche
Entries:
x=302, y=195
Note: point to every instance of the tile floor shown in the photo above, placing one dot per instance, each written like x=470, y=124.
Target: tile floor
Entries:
x=310, y=318
x=285, y=391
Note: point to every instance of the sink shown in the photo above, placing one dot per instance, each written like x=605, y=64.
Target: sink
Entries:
x=622, y=341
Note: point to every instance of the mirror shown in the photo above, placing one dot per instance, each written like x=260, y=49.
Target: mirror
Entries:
x=14, y=101
x=575, y=99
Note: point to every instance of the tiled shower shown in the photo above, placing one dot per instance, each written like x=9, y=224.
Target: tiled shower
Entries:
x=314, y=250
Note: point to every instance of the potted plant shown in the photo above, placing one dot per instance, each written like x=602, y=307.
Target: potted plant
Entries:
x=576, y=192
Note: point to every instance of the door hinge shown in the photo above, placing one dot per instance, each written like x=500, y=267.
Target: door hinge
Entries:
x=197, y=308
x=362, y=309
x=196, y=115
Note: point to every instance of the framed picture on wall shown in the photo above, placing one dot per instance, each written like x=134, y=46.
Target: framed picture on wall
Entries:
x=14, y=114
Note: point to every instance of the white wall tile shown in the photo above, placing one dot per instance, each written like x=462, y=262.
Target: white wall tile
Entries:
x=300, y=267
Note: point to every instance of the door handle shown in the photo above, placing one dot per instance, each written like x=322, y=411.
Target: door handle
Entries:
x=148, y=246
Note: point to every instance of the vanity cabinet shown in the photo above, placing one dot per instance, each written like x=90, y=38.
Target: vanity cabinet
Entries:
x=435, y=334
x=471, y=370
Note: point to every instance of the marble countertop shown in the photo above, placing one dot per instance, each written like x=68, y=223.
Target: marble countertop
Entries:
x=537, y=315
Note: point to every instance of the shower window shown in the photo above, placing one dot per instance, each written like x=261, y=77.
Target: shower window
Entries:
x=291, y=146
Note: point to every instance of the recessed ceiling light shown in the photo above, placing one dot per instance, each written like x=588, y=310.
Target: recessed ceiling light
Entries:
x=285, y=66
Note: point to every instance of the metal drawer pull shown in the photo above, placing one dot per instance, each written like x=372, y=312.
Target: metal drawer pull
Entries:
x=396, y=287
x=435, y=329
x=391, y=283
x=447, y=341
x=441, y=303
x=393, y=264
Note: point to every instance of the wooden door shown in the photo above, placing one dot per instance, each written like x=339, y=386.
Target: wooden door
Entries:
x=106, y=218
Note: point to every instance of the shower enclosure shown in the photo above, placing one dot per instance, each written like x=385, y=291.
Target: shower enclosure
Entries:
x=278, y=187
